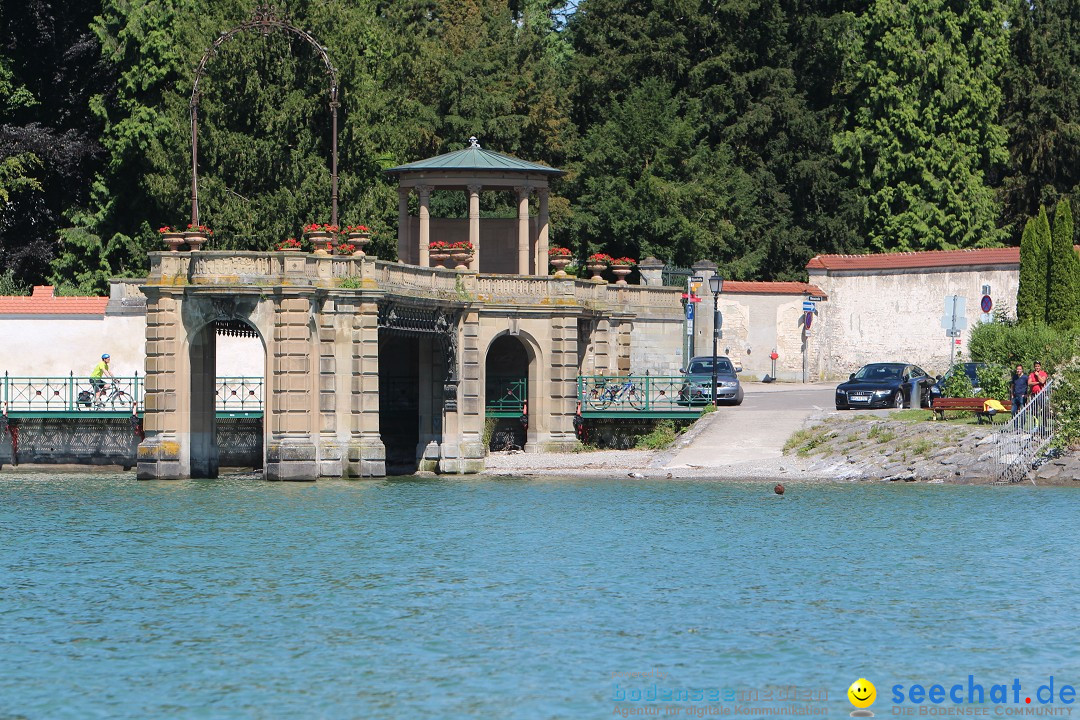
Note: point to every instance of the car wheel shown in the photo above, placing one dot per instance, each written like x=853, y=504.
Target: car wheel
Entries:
x=898, y=400
x=841, y=407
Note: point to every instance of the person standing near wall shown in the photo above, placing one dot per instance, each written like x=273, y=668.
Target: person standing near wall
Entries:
x=1037, y=379
x=1019, y=389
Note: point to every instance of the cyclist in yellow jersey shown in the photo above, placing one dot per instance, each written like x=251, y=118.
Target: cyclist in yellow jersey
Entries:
x=100, y=370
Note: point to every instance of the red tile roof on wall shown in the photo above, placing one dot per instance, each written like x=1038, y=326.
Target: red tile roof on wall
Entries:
x=769, y=288
x=924, y=259
x=43, y=302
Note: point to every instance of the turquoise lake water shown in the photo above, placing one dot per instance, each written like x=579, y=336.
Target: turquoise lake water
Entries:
x=502, y=598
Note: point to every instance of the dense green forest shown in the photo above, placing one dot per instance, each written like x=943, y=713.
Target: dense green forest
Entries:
x=755, y=133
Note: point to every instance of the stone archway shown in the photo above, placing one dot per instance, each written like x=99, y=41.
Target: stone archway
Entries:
x=506, y=391
x=205, y=320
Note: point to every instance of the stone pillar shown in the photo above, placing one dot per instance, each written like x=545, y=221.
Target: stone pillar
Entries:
x=159, y=456
x=367, y=454
x=291, y=452
x=424, y=191
x=330, y=446
x=462, y=448
x=542, y=267
x=652, y=272
x=474, y=223
x=523, y=228
x=560, y=384
x=403, y=224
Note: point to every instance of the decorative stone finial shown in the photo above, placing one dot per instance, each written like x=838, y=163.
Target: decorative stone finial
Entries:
x=473, y=142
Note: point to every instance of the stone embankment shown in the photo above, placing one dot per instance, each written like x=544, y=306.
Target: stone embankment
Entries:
x=873, y=448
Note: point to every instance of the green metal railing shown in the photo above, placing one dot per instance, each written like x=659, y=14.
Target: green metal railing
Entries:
x=635, y=395
x=506, y=395
x=76, y=395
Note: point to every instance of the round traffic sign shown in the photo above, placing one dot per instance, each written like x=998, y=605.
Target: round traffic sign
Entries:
x=987, y=304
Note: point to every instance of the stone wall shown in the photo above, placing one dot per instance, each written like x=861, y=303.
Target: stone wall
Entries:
x=887, y=315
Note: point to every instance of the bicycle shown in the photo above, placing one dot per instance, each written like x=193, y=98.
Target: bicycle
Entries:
x=604, y=395
x=114, y=396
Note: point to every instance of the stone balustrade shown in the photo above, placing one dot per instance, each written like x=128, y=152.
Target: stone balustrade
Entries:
x=231, y=268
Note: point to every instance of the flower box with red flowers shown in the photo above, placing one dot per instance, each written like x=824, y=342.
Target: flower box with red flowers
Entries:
x=558, y=252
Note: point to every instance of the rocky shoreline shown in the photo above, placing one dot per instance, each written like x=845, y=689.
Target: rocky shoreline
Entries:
x=832, y=447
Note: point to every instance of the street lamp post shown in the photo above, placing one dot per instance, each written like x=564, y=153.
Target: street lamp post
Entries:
x=716, y=285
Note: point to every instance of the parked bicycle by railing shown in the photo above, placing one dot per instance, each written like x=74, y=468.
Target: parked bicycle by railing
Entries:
x=605, y=393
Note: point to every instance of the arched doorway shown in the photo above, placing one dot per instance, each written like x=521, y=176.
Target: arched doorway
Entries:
x=226, y=409
x=506, y=391
x=399, y=401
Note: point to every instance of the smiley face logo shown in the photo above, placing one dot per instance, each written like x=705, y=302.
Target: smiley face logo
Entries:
x=862, y=693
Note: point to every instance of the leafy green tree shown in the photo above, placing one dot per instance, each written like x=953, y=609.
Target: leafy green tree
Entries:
x=1011, y=343
x=1063, y=285
x=921, y=97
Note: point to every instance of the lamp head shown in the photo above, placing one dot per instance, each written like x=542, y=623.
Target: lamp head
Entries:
x=716, y=284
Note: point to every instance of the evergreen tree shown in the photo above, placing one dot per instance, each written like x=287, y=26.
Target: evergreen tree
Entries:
x=1063, y=290
x=1031, y=293
x=1041, y=106
x=1043, y=240
x=922, y=141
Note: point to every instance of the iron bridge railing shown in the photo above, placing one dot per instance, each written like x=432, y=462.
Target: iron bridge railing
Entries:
x=636, y=394
x=76, y=394
x=1024, y=438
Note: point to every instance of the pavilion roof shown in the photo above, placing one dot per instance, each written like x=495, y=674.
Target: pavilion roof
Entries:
x=475, y=158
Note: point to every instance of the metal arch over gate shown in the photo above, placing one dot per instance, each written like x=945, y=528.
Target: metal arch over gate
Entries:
x=264, y=19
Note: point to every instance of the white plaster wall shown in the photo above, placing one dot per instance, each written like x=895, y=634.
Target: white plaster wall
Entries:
x=54, y=346
x=879, y=316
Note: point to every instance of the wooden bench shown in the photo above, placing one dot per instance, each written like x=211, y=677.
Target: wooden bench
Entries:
x=975, y=405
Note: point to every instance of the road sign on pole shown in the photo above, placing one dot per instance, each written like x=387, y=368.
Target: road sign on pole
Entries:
x=809, y=306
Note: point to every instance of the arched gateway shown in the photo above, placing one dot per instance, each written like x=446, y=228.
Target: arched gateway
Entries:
x=340, y=330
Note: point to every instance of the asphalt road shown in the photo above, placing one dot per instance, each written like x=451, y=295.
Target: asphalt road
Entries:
x=757, y=429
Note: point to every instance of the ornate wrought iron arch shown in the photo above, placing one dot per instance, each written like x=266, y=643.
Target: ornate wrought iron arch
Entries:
x=264, y=19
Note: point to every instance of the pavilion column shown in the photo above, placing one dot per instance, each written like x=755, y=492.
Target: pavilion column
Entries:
x=523, y=228
x=403, y=224
x=474, y=223
x=424, y=191
x=542, y=267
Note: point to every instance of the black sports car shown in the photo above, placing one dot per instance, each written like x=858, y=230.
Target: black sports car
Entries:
x=884, y=385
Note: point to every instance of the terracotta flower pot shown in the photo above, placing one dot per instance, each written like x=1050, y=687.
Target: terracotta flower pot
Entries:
x=360, y=240
x=438, y=259
x=322, y=241
x=596, y=269
x=559, y=262
x=462, y=258
x=173, y=240
x=195, y=239
x=621, y=271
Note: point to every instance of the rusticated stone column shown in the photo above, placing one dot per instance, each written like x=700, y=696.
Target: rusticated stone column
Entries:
x=462, y=448
x=331, y=448
x=367, y=454
x=159, y=455
x=291, y=452
x=557, y=429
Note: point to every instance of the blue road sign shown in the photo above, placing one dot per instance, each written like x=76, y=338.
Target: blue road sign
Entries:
x=690, y=311
x=809, y=306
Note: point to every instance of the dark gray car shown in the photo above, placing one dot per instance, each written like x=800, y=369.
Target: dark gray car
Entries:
x=697, y=388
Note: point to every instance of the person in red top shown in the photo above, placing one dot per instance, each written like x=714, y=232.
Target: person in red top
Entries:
x=1037, y=379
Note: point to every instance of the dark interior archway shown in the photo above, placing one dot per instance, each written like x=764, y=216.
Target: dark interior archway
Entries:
x=506, y=391
x=399, y=401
